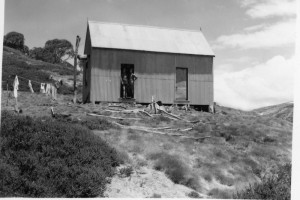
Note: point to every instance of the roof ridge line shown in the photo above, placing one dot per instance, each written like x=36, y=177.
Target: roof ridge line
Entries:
x=139, y=25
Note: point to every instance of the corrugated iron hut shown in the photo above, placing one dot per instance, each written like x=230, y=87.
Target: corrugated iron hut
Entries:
x=175, y=66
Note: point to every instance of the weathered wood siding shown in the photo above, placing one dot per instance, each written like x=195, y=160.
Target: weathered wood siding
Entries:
x=155, y=72
x=87, y=69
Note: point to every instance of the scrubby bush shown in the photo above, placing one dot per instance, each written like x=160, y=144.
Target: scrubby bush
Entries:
x=277, y=186
x=126, y=171
x=123, y=156
x=219, y=194
x=269, y=139
x=92, y=123
x=175, y=169
x=202, y=128
x=222, y=179
x=52, y=159
x=193, y=194
x=95, y=123
x=156, y=196
x=158, y=119
x=207, y=177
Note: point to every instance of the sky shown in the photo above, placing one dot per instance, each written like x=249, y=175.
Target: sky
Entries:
x=253, y=40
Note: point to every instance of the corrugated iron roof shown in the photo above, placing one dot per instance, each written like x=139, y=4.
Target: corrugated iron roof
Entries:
x=146, y=38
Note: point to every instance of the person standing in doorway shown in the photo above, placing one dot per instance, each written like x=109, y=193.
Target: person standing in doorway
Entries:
x=124, y=83
x=132, y=79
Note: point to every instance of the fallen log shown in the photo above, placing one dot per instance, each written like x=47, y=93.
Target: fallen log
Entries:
x=176, y=117
x=147, y=129
x=110, y=110
x=187, y=129
x=181, y=130
x=97, y=115
x=146, y=113
x=162, y=128
x=139, y=128
x=171, y=117
x=117, y=106
x=195, y=138
x=130, y=111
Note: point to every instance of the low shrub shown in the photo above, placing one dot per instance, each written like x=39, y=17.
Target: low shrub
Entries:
x=133, y=136
x=202, y=128
x=227, y=136
x=52, y=159
x=175, y=169
x=156, y=155
x=158, y=119
x=208, y=177
x=156, y=196
x=269, y=139
x=95, y=123
x=141, y=162
x=219, y=194
x=92, y=123
x=277, y=186
x=136, y=148
x=124, y=122
x=126, y=171
x=222, y=179
x=193, y=194
x=123, y=156
x=168, y=146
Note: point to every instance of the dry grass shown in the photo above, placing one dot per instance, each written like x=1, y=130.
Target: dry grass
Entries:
x=242, y=147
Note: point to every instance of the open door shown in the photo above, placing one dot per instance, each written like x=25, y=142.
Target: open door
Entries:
x=181, y=88
x=127, y=85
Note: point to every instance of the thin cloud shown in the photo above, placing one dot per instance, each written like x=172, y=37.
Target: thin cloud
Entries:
x=275, y=35
x=264, y=84
x=270, y=8
x=255, y=28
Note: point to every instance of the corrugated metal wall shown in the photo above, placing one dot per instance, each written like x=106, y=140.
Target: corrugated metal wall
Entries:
x=156, y=75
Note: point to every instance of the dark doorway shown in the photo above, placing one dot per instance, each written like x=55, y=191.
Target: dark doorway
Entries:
x=127, y=81
x=181, y=91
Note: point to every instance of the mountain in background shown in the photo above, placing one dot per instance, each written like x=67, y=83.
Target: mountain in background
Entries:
x=282, y=111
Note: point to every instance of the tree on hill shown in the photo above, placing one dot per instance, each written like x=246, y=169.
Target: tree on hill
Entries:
x=14, y=40
x=25, y=50
x=43, y=54
x=61, y=50
x=56, y=51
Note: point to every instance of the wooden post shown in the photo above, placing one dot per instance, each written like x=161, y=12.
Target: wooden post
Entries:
x=7, y=92
x=16, y=106
x=75, y=69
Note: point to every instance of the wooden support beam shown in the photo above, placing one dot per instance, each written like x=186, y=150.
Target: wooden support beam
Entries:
x=75, y=69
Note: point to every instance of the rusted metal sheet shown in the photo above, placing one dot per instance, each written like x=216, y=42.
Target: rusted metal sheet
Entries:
x=146, y=38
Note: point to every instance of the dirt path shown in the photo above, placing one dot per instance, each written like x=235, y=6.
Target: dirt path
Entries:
x=145, y=183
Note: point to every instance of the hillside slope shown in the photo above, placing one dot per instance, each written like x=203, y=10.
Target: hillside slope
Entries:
x=217, y=156
x=282, y=111
x=16, y=63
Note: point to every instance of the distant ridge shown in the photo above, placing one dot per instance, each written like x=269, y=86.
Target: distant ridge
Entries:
x=282, y=111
